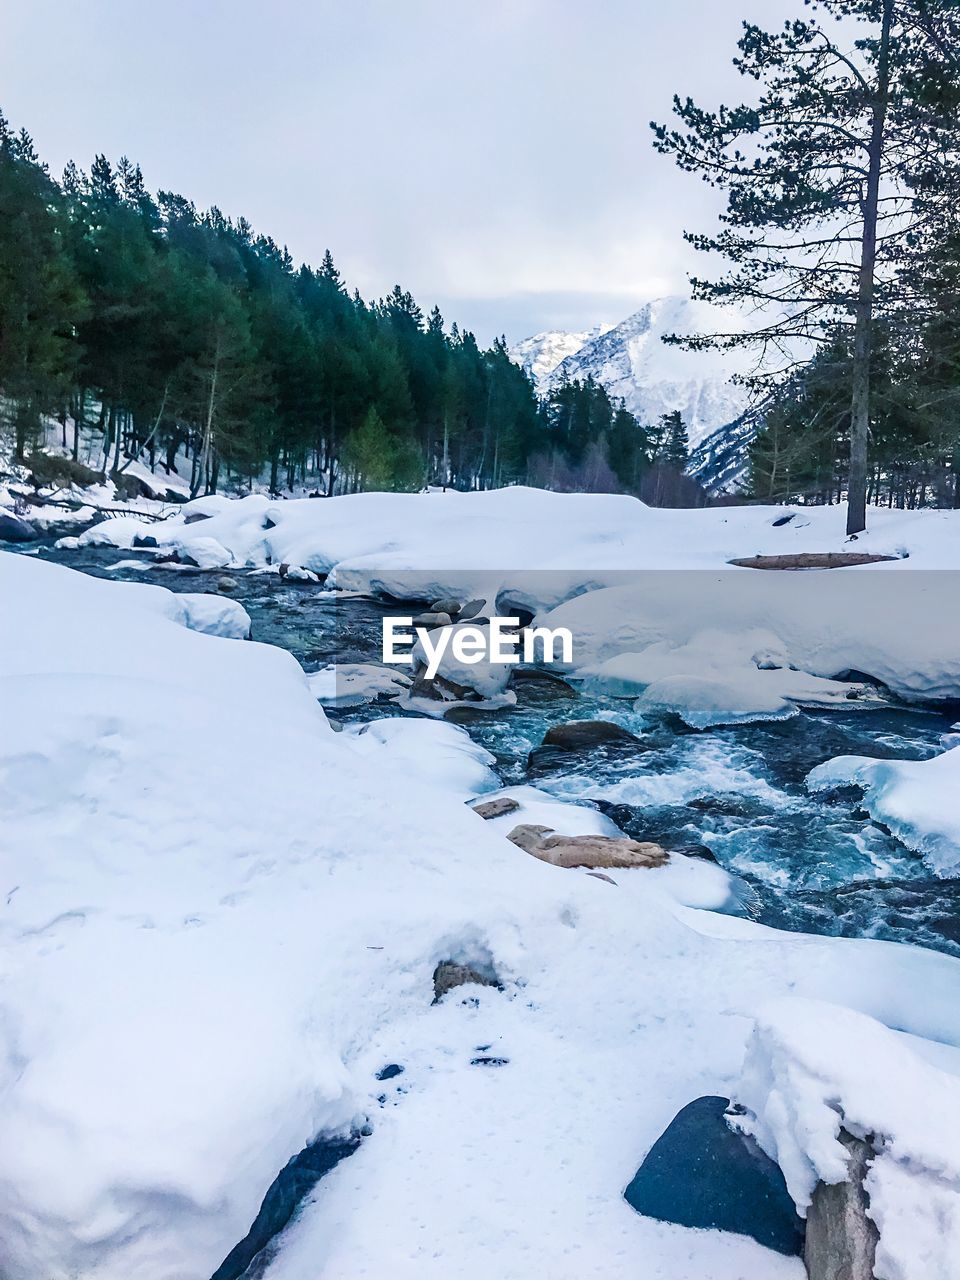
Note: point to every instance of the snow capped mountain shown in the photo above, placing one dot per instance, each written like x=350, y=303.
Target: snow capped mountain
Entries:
x=542, y=353
x=631, y=360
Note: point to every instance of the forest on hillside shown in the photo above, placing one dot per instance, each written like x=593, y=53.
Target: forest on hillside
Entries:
x=188, y=340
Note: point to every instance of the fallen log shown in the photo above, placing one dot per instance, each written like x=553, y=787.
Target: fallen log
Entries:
x=812, y=560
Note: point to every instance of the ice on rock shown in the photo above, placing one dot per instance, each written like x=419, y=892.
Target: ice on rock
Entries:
x=916, y=799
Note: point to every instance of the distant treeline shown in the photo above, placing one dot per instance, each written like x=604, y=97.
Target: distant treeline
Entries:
x=178, y=334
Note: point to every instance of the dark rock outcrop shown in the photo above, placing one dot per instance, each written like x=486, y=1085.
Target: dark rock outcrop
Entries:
x=13, y=529
x=294, y=1181
x=700, y=1173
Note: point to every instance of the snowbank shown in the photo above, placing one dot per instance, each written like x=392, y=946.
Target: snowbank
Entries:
x=811, y=1068
x=373, y=538
x=221, y=919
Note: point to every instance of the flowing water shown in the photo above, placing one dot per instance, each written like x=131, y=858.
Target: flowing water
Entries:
x=815, y=863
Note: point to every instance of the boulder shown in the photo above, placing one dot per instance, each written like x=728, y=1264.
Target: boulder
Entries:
x=496, y=808
x=450, y=606
x=449, y=974
x=13, y=529
x=579, y=736
x=471, y=610
x=144, y=540
x=700, y=1173
x=192, y=517
x=583, y=735
x=431, y=620
x=586, y=851
x=841, y=1240
x=227, y=583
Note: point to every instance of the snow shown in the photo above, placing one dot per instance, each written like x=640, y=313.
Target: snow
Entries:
x=917, y=800
x=812, y=1067
x=221, y=919
x=351, y=684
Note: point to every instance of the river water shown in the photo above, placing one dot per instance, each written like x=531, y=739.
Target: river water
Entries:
x=814, y=863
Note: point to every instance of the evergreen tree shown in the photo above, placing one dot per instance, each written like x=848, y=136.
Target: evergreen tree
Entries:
x=675, y=452
x=40, y=297
x=835, y=178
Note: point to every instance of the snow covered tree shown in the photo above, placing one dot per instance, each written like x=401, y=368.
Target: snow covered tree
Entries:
x=836, y=178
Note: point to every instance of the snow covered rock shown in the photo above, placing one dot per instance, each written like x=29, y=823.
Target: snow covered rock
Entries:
x=916, y=799
x=815, y=1072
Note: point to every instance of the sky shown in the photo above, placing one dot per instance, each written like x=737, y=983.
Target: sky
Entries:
x=494, y=158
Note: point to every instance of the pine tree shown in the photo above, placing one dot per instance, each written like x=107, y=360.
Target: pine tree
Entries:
x=40, y=297
x=675, y=452
x=834, y=178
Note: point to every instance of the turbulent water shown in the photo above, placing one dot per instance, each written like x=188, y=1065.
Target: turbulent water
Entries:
x=815, y=863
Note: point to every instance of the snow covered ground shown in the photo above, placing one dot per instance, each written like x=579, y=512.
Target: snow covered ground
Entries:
x=222, y=919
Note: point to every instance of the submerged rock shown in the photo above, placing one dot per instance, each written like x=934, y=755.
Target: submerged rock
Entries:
x=841, y=1240
x=227, y=583
x=586, y=851
x=700, y=1173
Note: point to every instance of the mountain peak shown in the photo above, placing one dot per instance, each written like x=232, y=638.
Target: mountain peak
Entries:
x=632, y=361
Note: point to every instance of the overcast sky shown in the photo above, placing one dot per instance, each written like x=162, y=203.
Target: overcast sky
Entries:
x=492, y=157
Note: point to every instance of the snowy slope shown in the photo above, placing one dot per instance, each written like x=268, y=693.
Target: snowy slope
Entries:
x=221, y=920
x=635, y=365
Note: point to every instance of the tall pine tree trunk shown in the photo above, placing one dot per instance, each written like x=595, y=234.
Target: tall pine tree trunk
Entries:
x=863, y=331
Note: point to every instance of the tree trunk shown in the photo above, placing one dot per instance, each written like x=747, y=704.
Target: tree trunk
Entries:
x=863, y=331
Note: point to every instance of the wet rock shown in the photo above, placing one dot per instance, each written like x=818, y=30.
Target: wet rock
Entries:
x=226, y=583
x=586, y=851
x=449, y=974
x=288, y=1189
x=699, y=1173
x=581, y=735
x=194, y=517
x=449, y=605
x=539, y=686
x=841, y=1240
x=13, y=529
x=144, y=540
x=496, y=808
